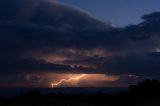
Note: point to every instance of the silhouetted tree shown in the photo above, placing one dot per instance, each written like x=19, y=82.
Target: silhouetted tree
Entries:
x=148, y=89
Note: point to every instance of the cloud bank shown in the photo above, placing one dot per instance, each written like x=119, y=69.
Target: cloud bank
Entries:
x=40, y=37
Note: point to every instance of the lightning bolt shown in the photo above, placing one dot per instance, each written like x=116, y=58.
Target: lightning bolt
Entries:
x=77, y=78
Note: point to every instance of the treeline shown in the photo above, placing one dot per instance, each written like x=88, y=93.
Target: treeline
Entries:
x=142, y=92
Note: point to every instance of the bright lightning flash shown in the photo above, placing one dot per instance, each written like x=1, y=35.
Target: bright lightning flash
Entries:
x=77, y=78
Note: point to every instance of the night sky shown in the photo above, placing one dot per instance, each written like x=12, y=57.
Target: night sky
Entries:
x=75, y=43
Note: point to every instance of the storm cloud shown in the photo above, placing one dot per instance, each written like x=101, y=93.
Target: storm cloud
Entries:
x=38, y=36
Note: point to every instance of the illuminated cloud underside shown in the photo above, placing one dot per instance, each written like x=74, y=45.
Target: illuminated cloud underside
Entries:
x=82, y=80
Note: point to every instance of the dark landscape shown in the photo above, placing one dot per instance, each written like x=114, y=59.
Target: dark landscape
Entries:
x=145, y=93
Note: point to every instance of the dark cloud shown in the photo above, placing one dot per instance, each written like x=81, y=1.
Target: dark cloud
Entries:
x=30, y=30
x=27, y=26
x=29, y=65
x=142, y=65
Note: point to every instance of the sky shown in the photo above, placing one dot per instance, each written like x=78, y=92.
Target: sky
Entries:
x=119, y=12
x=51, y=43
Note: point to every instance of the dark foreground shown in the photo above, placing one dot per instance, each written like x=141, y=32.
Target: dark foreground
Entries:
x=146, y=93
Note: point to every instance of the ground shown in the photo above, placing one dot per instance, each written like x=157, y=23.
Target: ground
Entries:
x=155, y=102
